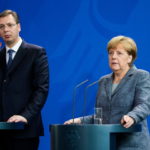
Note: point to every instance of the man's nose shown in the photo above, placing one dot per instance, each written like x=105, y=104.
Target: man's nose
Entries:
x=6, y=28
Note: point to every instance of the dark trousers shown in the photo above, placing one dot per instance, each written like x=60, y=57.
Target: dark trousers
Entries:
x=10, y=143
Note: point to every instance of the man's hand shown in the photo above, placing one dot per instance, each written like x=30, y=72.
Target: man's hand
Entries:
x=17, y=118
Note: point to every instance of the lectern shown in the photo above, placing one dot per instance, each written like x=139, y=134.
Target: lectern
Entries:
x=11, y=126
x=87, y=136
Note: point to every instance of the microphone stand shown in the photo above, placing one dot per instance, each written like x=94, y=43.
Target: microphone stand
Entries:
x=85, y=98
x=74, y=97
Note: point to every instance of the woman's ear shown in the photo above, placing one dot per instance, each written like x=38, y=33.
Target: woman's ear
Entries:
x=130, y=59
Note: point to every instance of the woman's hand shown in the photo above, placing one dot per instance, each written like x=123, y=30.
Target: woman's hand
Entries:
x=127, y=121
x=76, y=120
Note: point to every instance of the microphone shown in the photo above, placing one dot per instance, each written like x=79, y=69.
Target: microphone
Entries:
x=74, y=97
x=85, y=97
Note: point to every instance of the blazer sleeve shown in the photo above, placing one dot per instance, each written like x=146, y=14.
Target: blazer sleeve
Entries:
x=87, y=119
x=40, y=85
x=141, y=107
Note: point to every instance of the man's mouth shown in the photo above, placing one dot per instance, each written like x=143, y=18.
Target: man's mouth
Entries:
x=7, y=36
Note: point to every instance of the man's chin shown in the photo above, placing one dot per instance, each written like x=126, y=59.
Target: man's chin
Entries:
x=8, y=42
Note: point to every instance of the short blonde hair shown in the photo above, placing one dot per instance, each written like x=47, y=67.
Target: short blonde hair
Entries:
x=128, y=44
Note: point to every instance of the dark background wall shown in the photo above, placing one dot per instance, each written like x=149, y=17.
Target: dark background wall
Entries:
x=75, y=34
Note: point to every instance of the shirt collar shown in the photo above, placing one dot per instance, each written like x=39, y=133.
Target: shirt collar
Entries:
x=15, y=47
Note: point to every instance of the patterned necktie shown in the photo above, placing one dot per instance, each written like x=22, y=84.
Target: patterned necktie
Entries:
x=10, y=52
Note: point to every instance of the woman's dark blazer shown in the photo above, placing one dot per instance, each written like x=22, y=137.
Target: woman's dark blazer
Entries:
x=24, y=87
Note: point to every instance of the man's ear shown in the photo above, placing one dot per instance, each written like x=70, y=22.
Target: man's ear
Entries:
x=19, y=27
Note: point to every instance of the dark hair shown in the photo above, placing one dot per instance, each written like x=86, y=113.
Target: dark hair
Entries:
x=10, y=12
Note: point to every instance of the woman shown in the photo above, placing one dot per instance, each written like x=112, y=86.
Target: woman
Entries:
x=124, y=95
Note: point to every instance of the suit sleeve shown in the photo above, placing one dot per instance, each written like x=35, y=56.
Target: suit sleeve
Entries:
x=142, y=98
x=40, y=85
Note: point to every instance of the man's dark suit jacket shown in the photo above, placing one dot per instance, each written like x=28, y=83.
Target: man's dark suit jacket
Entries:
x=24, y=87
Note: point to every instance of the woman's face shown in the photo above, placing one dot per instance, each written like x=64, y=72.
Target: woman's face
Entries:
x=119, y=59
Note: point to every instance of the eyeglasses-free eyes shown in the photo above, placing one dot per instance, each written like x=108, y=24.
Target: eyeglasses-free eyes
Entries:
x=8, y=25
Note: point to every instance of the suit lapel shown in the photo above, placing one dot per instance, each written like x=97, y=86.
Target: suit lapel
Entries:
x=18, y=57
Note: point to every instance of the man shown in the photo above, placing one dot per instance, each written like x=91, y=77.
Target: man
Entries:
x=24, y=82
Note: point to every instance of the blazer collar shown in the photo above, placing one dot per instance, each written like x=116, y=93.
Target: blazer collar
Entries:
x=121, y=84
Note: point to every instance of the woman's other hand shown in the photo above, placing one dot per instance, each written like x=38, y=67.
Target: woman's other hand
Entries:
x=127, y=121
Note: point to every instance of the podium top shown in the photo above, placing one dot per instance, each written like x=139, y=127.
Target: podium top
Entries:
x=111, y=128
x=11, y=126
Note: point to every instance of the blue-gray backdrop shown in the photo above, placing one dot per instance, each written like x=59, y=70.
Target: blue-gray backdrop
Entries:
x=75, y=34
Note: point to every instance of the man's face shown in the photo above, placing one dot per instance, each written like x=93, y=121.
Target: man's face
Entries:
x=9, y=30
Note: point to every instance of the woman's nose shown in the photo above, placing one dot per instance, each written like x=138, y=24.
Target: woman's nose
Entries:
x=114, y=55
